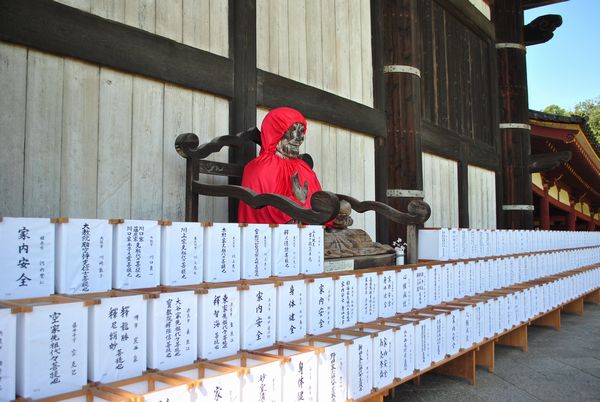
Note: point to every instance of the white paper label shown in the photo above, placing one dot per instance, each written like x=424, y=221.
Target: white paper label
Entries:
x=27, y=263
x=262, y=383
x=345, y=301
x=360, y=367
x=312, y=252
x=383, y=359
x=404, y=282
x=420, y=279
x=220, y=388
x=332, y=373
x=286, y=250
x=387, y=294
x=136, y=262
x=8, y=348
x=320, y=306
x=367, y=297
x=182, y=251
x=291, y=311
x=300, y=378
x=222, y=252
x=258, y=316
x=218, y=323
x=256, y=251
x=405, y=350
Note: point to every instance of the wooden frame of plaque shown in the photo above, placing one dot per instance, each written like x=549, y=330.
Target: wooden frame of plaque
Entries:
x=150, y=378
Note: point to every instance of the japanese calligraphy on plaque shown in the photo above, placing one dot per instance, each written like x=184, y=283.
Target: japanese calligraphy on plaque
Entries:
x=420, y=286
x=118, y=338
x=137, y=254
x=182, y=248
x=52, y=341
x=291, y=310
x=332, y=379
x=172, y=330
x=299, y=377
x=404, y=298
x=346, y=311
x=367, y=297
x=218, y=387
x=8, y=347
x=383, y=358
x=387, y=293
x=320, y=306
x=360, y=367
x=222, y=252
x=258, y=317
x=84, y=256
x=27, y=263
x=286, y=250
x=312, y=253
x=262, y=383
x=218, y=323
x=405, y=350
x=256, y=251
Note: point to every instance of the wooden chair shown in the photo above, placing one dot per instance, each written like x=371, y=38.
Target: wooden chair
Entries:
x=325, y=205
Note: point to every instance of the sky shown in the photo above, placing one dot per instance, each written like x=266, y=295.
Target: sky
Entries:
x=566, y=69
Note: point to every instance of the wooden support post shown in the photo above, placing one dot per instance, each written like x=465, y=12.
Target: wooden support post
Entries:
x=517, y=338
x=575, y=307
x=417, y=380
x=552, y=320
x=545, y=210
x=462, y=366
x=378, y=397
x=593, y=297
x=486, y=356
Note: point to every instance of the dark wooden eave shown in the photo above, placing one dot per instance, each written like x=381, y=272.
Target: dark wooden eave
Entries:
x=541, y=29
x=528, y=4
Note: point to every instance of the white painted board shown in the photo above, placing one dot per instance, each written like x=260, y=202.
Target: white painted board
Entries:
x=182, y=248
x=404, y=284
x=258, y=319
x=255, y=251
x=222, y=252
x=405, y=350
x=360, y=367
x=320, y=306
x=172, y=330
x=136, y=254
x=332, y=380
x=27, y=263
x=367, y=296
x=345, y=309
x=118, y=338
x=285, y=250
x=299, y=377
x=84, y=256
x=387, y=293
x=420, y=286
x=52, y=350
x=384, y=358
x=218, y=323
x=291, y=310
x=312, y=251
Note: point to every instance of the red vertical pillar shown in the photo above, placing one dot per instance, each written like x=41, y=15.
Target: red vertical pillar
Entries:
x=572, y=218
x=545, y=210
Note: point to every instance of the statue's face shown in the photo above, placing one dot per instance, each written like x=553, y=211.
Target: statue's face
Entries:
x=289, y=145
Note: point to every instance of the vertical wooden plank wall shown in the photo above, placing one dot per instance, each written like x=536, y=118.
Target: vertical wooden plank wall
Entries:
x=89, y=141
x=440, y=188
x=482, y=198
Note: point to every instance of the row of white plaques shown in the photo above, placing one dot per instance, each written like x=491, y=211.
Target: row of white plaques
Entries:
x=444, y=244
x=60, y=344
x=379, y=353
x=77, y=256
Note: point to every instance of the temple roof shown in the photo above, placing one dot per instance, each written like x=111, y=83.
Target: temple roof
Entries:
x=527, y=4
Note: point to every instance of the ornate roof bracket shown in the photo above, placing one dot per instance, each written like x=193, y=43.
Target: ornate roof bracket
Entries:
x=549, y=161
x=541, y=29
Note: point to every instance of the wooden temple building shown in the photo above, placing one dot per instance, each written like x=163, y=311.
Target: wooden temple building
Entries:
x=567, y=196
x=406, y=99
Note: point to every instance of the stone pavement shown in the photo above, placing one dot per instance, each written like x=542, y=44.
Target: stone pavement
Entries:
x=559, y=366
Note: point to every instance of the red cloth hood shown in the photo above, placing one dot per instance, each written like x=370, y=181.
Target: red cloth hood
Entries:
x=269, y=173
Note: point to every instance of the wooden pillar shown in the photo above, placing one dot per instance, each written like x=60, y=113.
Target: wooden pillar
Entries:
x=515, y=131
x=574, y=307
x=572, y=218
x=401, y=56
x=517, y=338
x=462, y=366
x=486, y=356
x=552, y=320
x=545, y=210
x=591, y=223
x=242, y=113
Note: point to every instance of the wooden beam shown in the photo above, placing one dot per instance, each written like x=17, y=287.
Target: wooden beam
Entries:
x=548, y=161
x=552, y=320
x=58, y=29
x=486, y=356
x=274, y=91
x=574, y=307
x=462, y=366
x=469, y=15
x=517, y=338
x=593, y=297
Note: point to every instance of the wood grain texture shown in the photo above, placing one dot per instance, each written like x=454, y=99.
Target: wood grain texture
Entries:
x=114, y=144
x=440, y=187
x=43, y=135
x=79, y=171
x=141, y=14
x=482, y=198
x=13, y=87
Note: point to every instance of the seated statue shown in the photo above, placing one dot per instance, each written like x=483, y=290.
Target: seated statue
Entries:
x=278, y=169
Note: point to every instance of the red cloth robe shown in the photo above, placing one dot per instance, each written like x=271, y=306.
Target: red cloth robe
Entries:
x=269, y=173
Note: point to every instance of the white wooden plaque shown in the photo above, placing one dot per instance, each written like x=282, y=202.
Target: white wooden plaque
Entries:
x=434, y=244
x=299, y=377
x=256, y=251
x=367, y=297
x=486, y=269
x=172, y=330
x=182, y=248
x=453, y=331
x=312, y=249
x=387, y=293
x=405, y=350
x=464, y=243
x=503, y=313
x=471, y=273
x=286, y=250
x=423, y=344
x=136, y=262
x=83, y=256
x=438, y=337
x=8, y=348
x=332, y=372
x=222, y=252
x=431, y=285
x=52, y=350
x=479, y=321
x=291, y=310
x=461, y=279
x=466, y=326
x=437, y=284
x=320, y=306
x=118, y=338
x=27, y=263
x=420, y=282
x=455, y=245
x=444, y=283
x=218, y=386
x=346, y=313
x=360, y=367
x=218, y=323
x=262, y=383
x=383, y=358
x=259, y=313
x=404, y=284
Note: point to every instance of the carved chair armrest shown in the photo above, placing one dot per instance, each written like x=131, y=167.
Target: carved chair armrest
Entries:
x=418, y=210
x=324, y=204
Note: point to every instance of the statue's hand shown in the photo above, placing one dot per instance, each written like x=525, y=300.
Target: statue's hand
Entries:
x=299, y=191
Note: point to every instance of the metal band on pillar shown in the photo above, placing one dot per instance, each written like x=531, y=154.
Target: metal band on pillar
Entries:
x=396, y=68
x=398, y=193
x=518, y=208
x=523, y=126
x=508, y=45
